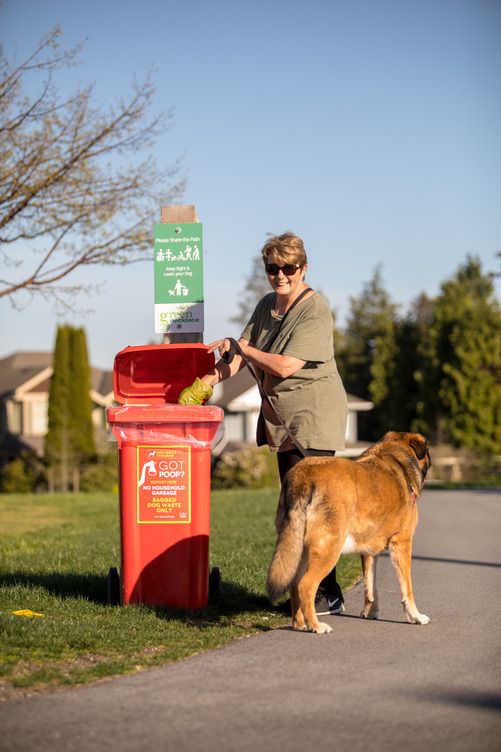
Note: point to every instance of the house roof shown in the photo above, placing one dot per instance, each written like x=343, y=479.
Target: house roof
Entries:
x=20, y=367
x=101, y=381
x=228, y=395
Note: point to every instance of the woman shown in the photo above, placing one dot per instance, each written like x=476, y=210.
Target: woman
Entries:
x=297, y=371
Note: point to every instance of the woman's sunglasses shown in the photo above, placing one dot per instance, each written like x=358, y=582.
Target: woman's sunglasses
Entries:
x=288, y=269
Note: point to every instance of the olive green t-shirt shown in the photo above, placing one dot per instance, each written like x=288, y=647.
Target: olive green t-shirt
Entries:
x=312, y=402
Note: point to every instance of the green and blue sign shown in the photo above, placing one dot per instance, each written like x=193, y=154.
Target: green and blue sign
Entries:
x=179, y=278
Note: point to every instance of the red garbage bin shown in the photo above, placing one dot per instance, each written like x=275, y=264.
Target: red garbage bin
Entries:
x=164, y=452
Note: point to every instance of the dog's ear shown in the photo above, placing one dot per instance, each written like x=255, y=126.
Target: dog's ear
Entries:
x=418, y=444
x=392, y=436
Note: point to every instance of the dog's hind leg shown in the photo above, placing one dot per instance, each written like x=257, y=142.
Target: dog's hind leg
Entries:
x=371, y=608
x=296, y=612
x=322, y=558
x=401, y=554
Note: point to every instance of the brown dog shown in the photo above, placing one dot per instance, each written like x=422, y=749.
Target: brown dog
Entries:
x=331, y=505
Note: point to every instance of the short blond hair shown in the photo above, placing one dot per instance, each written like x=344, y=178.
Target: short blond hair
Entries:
x=287, y=248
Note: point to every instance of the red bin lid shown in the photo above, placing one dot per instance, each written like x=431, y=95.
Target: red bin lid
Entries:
x=156, y=374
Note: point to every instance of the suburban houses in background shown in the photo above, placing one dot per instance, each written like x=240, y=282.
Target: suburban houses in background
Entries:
x=24, y=396
x=24, y=400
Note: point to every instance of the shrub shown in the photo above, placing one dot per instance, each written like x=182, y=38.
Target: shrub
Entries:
x=21, y=475
x=101, y=475
x=245, y=468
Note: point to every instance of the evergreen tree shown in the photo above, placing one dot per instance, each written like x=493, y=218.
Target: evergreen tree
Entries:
x=69, y=443
x=428, y=411
x=383, y=371
x=80, y=403
x=57, y=442
x=463, y=361
x=366, y=353
x=396, y=368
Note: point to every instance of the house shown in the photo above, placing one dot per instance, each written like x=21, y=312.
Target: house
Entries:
x=240, y=399
x=24, y=397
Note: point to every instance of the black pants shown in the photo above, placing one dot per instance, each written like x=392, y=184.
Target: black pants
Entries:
x=288, y=459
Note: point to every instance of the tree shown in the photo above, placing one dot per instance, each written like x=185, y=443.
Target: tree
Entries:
x=20, y=475
x=383, y=374
x=462, y=363
x=498, y=273
x=396, y=368
x=79, y=402
x=69, y=444
x=74, y=189
x=57, y=440
x=367, y=350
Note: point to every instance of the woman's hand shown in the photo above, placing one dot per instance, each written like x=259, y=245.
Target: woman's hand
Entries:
x=222, y=345
x=195, y=394
x=225, y=369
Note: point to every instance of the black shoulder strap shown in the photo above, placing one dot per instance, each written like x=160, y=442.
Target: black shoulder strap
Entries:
x=267, y=345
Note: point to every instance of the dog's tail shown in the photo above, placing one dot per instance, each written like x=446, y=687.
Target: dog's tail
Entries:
x=291, y=526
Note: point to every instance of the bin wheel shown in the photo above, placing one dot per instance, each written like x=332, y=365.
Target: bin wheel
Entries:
x=113, y=587
x=214, y=583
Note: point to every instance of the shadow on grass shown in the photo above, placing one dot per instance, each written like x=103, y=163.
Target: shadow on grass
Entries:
x=232, y=600
x=92, y=587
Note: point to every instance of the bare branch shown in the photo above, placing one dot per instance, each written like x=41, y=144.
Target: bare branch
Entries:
x=72, y=190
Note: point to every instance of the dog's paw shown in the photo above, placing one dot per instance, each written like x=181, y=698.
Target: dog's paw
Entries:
x=322, y=628
x=422, y=619
x=418, y=619
x=370, y=611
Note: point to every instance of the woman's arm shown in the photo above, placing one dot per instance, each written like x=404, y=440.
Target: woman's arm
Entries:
x=222, y=370
x=273, y=363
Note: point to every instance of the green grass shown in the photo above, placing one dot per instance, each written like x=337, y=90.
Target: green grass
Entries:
x=55, y=553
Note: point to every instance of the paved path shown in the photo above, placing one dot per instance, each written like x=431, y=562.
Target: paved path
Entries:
x=384, y=685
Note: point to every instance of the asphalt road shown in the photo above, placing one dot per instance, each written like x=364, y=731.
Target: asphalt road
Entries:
x=378, y=685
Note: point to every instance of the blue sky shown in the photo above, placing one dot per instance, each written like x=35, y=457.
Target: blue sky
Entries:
x=371, y=129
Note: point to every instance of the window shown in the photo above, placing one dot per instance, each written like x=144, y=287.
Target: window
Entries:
x=14, y=417
x=39, y=418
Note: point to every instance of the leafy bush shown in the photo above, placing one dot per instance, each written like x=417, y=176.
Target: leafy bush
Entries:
x=101, y=475
x=246, y=468
x=26, y=474
x=21, y=475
